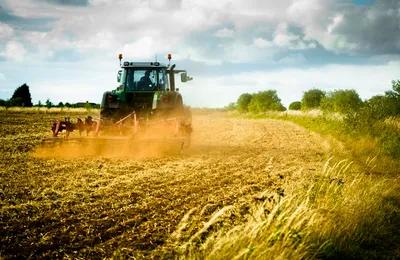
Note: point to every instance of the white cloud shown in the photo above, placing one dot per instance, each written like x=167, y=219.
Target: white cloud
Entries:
x=6, y=30
x=337, y=20
x=262, y=43
x=14, y=51
x=282, y=38
x=144, y=49
x=2, y=77
x=224, y=33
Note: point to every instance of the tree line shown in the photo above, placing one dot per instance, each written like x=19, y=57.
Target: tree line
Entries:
x=22, y=98
x=258, y=102
x=343, y=101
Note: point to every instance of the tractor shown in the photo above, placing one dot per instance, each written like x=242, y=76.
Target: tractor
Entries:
x=148, y=89
x=145, y=101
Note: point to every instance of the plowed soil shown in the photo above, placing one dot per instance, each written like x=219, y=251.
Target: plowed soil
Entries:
x=100, y=206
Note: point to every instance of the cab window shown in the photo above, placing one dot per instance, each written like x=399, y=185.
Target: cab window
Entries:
x=142, y=79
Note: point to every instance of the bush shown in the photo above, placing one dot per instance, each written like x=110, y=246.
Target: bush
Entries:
x=295, y=105
x=341, y=101
x=265, y=100
x=231, y=106
x=243, y=102
x=312, y=98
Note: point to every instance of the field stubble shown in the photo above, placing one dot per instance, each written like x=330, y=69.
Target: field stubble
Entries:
x=238, y=176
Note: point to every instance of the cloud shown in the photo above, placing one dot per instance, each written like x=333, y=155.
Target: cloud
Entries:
x=336, y=21
x=2, y=77
x=262, y=43
x=14, y=51
x=142, y=48
x=67, y=2
x=224, y=33
x=371, y=29
x=283, y=38
x=338, y=26
x=6, y=30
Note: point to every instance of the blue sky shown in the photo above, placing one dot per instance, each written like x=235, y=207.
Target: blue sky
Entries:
x=66, y=50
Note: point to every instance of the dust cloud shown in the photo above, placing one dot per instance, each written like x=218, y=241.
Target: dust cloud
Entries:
x=155, y=141
x=109, y=149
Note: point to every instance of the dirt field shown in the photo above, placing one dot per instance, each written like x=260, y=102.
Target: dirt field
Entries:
x=104, y=206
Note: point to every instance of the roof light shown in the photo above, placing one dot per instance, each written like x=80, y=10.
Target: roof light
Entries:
x=126, y=63
x=169, y=56
x=120, y=56
x=156, y=63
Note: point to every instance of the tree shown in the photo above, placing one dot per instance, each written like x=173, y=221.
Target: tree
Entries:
x=22, y=96
x=3, y=103
x=88, y=106
x=60, y=104
x=243, y=102
x=341, y=101
x=49, y=104
x=312, y=98
x=265, y=100
x=396, y=89
x=295, y=105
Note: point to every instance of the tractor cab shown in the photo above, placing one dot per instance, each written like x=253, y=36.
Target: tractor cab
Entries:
x=143, y=76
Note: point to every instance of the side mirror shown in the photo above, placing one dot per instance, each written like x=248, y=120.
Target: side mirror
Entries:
x=119, y=76
x=184, y=77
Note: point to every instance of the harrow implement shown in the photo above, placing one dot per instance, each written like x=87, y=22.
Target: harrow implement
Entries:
x=173, y=131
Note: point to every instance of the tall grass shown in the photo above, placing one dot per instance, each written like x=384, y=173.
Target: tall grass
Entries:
x=334, y=214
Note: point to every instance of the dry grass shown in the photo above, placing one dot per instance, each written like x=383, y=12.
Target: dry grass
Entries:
x=393, y=121
x=330, y=215
x=52, y=110
x=245, y=189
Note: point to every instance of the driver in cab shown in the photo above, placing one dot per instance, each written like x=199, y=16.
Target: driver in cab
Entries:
x=145, y=81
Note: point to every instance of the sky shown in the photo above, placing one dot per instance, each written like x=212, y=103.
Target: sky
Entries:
x=67, y=50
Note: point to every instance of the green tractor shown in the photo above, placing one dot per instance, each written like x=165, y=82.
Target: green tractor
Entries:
x=145, y=105
x=146, y=88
